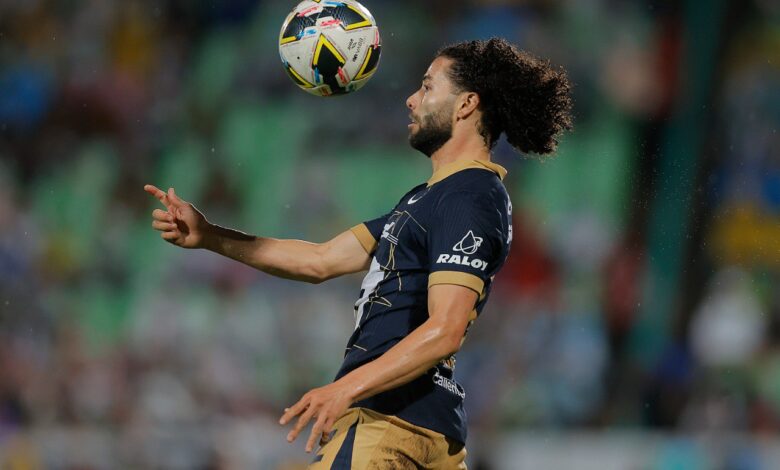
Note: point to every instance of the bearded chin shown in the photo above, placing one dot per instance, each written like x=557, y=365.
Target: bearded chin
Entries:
x=431, y=136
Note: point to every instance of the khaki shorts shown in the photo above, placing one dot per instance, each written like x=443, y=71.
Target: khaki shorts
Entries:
x=363, y=439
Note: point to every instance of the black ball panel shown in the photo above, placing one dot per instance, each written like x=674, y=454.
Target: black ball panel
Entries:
x=346, y=15
x=297, y=24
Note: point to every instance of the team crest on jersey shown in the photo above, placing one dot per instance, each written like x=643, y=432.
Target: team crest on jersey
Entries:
x=469, y=244
x=387, y=232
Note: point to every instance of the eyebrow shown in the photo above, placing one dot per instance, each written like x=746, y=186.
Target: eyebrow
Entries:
x=426, y=78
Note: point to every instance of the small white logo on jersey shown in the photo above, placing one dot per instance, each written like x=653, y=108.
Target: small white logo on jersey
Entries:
x=469, y=244
x=509, y=229
x=449, y=385
x=412, y=199
x=386, y=233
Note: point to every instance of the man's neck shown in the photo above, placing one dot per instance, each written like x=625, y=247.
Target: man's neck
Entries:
x=460, y=148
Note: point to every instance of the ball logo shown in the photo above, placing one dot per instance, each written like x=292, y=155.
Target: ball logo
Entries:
x=469, y=244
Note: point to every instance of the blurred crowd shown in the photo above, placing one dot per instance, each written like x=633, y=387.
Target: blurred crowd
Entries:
x=641, y=293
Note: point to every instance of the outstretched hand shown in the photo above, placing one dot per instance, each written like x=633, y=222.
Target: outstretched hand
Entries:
x=180, y=224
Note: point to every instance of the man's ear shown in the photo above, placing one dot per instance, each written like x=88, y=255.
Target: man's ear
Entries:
x=468, y=102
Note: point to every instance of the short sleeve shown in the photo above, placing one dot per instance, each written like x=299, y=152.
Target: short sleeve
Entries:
x=465, y=240
x=368, y=232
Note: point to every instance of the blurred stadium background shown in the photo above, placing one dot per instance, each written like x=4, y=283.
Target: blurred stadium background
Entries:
x=636, y=325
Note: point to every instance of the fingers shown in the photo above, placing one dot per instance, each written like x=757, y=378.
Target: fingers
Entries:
x=294, y=410
x=164, y=226
x=174, y=199
x=328, y=427
x=303, y=406
x=152, y=189
x=302, y=422
x=316, y=432
x=158, y=193
x=169, y=236
x=162, y=216
x=166, y=216
x=312, y=405
x=163, y=221
x=321, y=429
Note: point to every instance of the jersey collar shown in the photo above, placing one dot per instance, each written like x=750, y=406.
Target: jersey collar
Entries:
x=458, y=165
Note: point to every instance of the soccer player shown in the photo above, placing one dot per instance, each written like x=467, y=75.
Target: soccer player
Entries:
x=431, y=261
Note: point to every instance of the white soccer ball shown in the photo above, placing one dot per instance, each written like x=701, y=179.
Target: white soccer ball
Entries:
x=329, y=47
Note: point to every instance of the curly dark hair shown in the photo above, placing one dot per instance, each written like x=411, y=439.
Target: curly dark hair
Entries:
x=520, y=95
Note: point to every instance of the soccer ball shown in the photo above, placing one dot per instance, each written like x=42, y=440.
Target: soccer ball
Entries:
x=329, y=47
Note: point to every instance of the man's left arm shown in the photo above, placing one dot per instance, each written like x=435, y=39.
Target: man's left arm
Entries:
x=449, y=308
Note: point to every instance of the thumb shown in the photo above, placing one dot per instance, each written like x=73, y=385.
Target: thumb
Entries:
x=175, y=199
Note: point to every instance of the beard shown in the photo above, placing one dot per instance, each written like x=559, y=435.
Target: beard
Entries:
x=433, y=132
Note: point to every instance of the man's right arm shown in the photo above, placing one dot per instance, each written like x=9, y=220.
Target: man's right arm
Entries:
x=290, y=259
x=183, y=225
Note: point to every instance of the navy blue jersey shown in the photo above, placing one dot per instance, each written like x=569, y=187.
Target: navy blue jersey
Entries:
x=454, y=229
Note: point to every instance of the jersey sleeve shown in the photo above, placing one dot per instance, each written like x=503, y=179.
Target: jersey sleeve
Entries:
x=465, y=240
x=368, y=232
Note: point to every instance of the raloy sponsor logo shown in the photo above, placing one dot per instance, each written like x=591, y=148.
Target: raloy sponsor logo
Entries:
x=462, y=260
x=469, y=244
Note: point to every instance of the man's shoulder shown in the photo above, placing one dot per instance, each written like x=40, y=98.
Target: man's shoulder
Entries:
x=475, y=181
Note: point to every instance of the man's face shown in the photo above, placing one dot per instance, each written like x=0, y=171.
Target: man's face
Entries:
x=431, y=109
